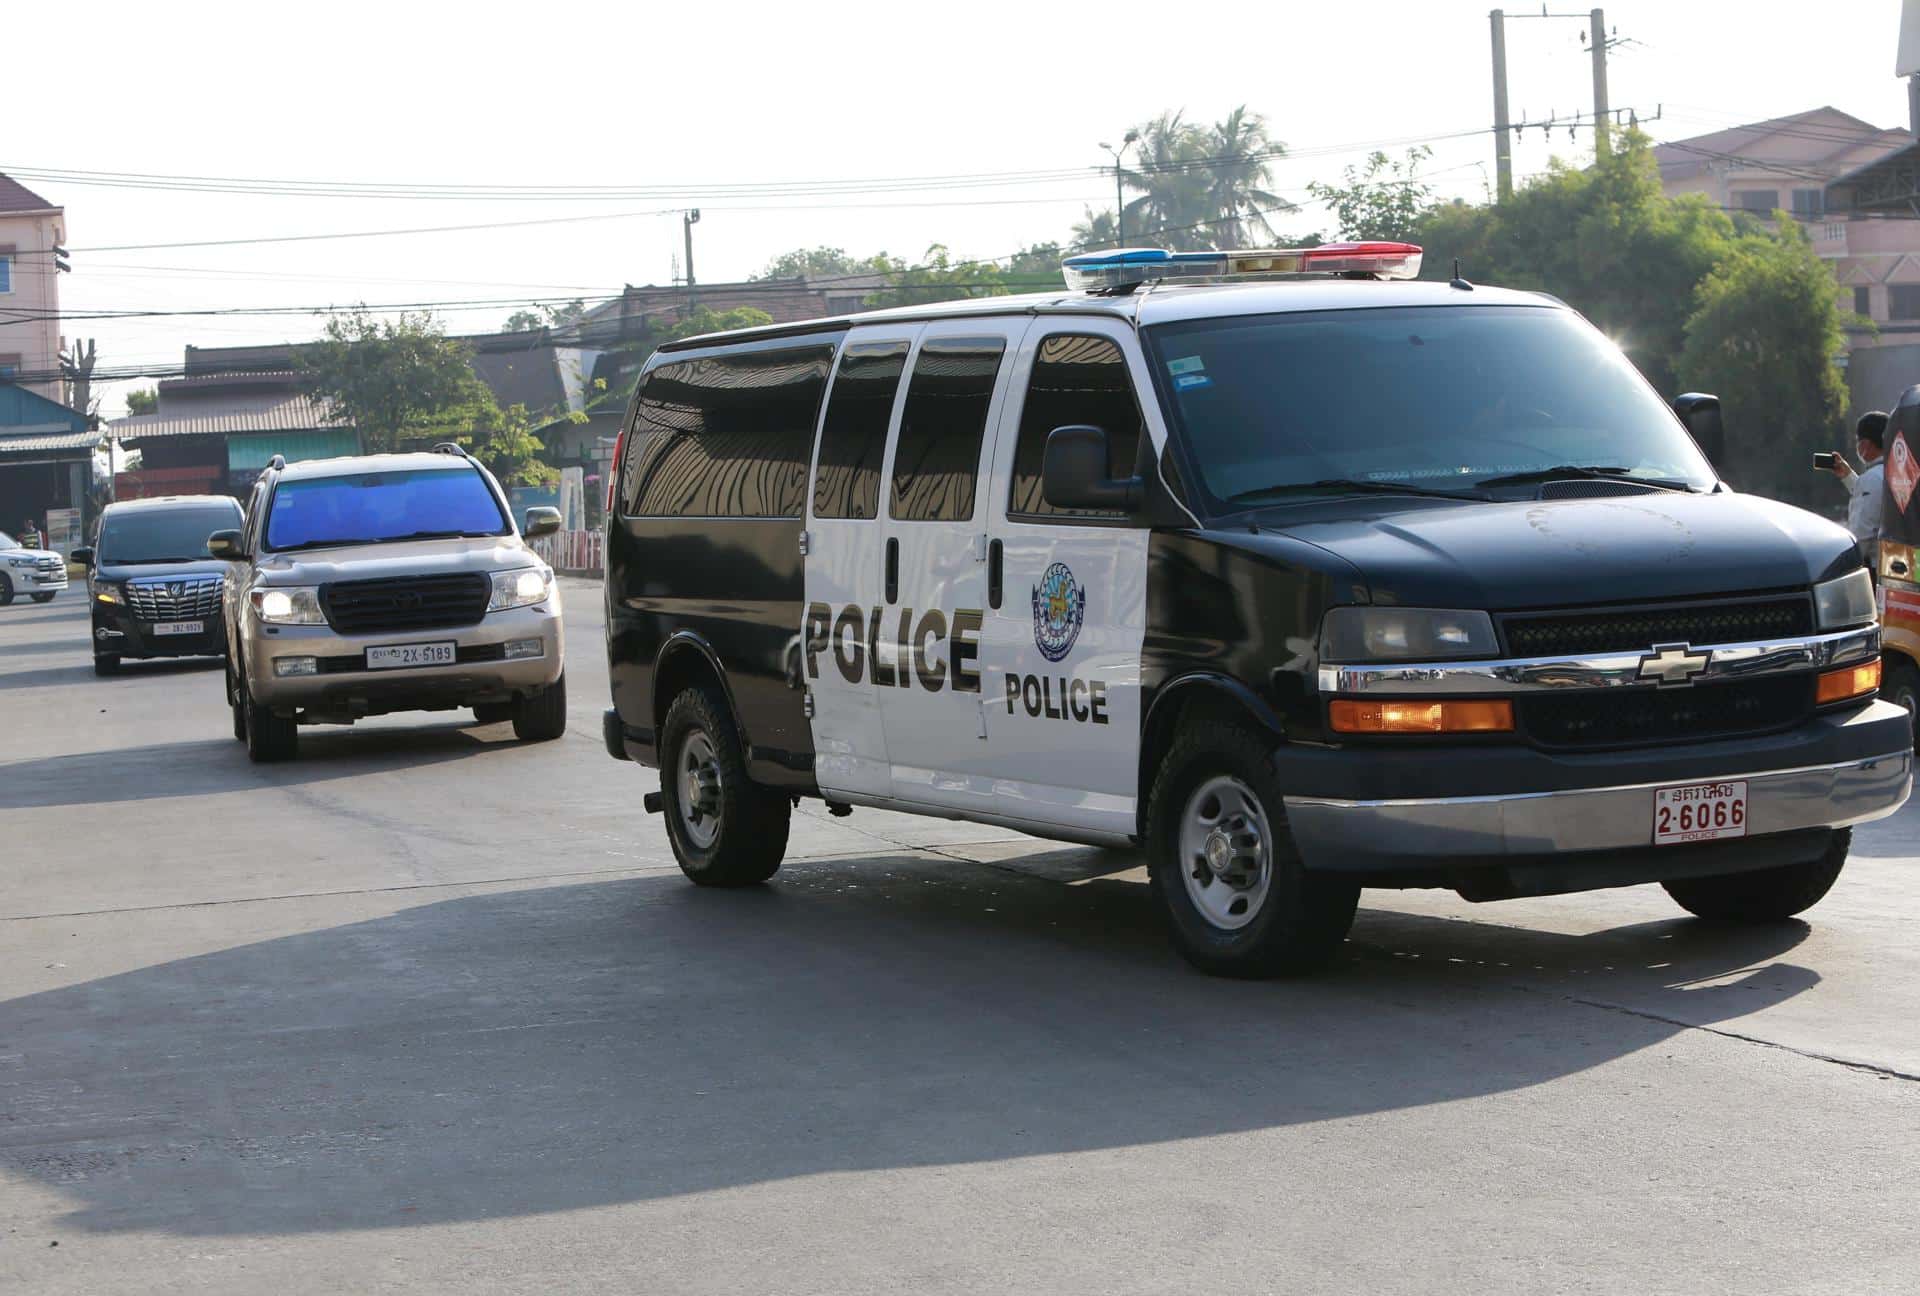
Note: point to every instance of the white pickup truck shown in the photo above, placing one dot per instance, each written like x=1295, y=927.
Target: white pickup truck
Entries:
x=38, y=572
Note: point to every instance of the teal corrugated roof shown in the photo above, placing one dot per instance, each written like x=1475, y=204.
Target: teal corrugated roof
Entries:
x=247, y=451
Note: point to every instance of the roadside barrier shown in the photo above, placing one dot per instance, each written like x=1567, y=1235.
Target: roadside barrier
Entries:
x=577, y=553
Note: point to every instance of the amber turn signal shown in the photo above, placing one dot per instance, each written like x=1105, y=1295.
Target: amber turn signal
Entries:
x=1848, y=682
x=1422, y=717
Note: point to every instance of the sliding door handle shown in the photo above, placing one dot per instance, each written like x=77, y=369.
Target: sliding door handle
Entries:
x=996, y=565
x=893, y=569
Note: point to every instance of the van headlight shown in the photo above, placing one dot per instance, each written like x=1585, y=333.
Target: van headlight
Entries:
x=1844, y=601
x=522, y=587
x=289, y=605
x=1389, y=634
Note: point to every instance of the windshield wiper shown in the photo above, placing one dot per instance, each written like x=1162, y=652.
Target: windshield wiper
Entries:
x=324, y=544
x=446, y=535
x=1590, y=472
x=1356, y=485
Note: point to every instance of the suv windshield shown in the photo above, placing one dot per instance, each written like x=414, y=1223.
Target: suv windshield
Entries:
x=1448, y=398
x=162, y=534
x=373, y=507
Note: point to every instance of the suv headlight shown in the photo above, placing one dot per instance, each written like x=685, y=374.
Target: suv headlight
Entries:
x=1387, y=634
x=289, y=605
x=522, y=587
x=1844, y=601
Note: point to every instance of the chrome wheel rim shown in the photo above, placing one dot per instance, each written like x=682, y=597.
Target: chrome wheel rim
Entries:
x=1226, y=853
x=698, y=775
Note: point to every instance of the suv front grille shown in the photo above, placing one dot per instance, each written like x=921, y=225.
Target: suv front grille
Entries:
x=406, y=603
x=1607, y=630
x=47, y=566
x=183, y=598
x=1630, y=717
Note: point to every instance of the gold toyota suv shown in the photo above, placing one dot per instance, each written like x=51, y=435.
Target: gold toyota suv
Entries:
x=394, y=582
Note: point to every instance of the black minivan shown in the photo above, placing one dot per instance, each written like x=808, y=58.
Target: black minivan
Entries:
x=152, y=584
x=1305, y=584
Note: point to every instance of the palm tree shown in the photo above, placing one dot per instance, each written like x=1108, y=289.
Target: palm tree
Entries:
x=1238, y=175
x=1095, y=231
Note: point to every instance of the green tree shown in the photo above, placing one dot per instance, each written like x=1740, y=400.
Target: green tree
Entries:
x=938, y=277
x=400, y=382
x=143, y=400
x=548, y=316
x=818, y=263
x=1203, y=187
x=1763, y=334
x=1383, y=200
x=1094, y=231
x=504, y=440
x=702, y=320
x=1237, y=175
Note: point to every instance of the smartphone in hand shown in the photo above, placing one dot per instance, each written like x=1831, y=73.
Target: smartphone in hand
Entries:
x=1823, y=460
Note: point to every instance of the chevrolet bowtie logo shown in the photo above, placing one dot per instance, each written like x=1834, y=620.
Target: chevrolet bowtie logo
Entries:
x=1674, y=664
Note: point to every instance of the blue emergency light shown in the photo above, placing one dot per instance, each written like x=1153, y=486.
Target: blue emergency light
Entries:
x=1128, y=267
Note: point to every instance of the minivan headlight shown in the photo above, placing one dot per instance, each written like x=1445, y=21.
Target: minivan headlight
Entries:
x=1844, y=601
x=1386, y=634
x=289, y=605
x=522, y=587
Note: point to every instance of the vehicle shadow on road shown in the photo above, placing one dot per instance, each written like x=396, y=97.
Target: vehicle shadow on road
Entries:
x=130, y=671
x=572, y=1046
x=213, y=765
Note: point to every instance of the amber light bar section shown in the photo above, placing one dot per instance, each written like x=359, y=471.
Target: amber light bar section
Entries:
x=1848, y=682
x=1418, y=717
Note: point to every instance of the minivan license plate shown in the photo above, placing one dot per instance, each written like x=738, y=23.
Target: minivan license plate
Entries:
x=1696, y=812
x=422, y=654
x=178, y=627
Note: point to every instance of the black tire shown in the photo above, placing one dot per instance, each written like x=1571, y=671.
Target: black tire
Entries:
x=491, y=713
x=269, y=737
x=43, y=598
x=236, y=705
x=1768, y=895
x=106, y=664
x=541, y=716
x=740, y=836
x=1902, y=686
x=6, y=590
x=1302, y=917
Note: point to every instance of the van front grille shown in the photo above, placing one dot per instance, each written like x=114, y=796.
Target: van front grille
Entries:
x=405, y=603
x=184, y=598
x=1607, y=630
x=1632, y=717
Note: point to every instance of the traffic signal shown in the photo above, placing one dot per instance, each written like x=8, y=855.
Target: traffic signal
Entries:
x=60, y=263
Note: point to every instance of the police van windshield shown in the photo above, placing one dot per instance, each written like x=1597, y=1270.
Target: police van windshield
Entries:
x=376, y=507
x=1469, y=400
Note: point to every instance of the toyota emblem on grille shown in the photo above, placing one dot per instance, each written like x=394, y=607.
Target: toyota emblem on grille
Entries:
x=406, y=600
x=1674, y=664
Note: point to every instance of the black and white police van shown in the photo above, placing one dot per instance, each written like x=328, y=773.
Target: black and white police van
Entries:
x=1299, y=575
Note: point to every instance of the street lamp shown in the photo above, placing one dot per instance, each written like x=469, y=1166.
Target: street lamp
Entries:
x=1119, y=189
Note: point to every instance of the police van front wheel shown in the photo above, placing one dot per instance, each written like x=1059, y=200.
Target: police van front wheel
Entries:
x=1765, y=895
x=727, y=831
x=1238, y=899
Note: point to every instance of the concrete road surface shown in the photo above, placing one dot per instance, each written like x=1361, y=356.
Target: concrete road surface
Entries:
x=430, y=1010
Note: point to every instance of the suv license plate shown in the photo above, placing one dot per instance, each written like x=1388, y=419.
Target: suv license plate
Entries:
x=1696, y=812
x=179, y=627
x=396, y=655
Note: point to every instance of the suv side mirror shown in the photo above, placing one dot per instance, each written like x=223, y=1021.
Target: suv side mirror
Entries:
x=1073, y=472
x=225, y=544
x=82, y=555
x=1700, y=413
x=541, y=521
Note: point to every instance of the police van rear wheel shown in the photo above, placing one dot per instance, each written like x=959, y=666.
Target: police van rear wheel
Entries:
x=1239, y=901
x=1903, y=686
x=727, y=831
x=1768, y=895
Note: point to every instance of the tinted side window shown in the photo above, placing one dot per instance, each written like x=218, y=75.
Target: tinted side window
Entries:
x=854, y=437
x=1076, y=379
x=725, y=436
x=941, y=427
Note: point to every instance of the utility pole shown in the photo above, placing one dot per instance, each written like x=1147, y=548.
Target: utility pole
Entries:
x=1502, y=140
x=1601, y=145
x=1119, y=187
x=78, y=367
x=688, y=220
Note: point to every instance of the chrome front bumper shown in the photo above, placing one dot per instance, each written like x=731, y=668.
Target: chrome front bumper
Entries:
x=1450, y=831
x=344, y=688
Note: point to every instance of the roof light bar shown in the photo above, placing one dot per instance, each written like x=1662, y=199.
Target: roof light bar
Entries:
x=1127, y=267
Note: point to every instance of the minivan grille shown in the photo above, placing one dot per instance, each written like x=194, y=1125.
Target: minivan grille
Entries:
x=406, y=603
x=1631, y=717
x=180, y=598
x=1604, y=630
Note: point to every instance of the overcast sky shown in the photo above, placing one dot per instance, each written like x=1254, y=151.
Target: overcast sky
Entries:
x=702, y=96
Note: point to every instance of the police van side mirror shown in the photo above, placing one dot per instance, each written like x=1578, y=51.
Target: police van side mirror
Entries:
x=1073, y=472
x=541, y=521
x=1700, y=413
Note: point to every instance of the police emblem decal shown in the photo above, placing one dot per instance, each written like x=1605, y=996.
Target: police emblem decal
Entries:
x=1059, y=608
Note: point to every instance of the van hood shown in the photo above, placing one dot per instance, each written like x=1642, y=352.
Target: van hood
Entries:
x=1509, y=556
x=159, y=571
x=399, y=558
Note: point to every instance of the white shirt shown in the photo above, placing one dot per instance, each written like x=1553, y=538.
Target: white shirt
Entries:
x=1863, y=503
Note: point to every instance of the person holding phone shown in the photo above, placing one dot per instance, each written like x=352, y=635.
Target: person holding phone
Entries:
x=1863, y=487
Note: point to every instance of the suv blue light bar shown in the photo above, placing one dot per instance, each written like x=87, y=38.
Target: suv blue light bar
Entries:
x=1126, y=267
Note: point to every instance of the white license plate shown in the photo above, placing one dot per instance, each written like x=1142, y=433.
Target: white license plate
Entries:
x=397, y=655
x=1696, y=812
x=179, y=627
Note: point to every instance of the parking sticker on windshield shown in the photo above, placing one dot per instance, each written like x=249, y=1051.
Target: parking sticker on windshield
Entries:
x=1186, y=365
x=1188, y=382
